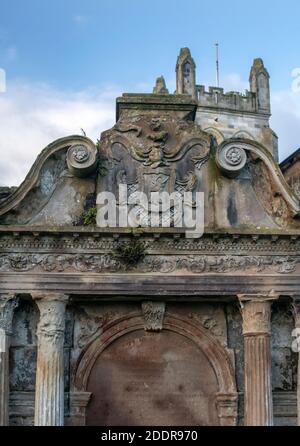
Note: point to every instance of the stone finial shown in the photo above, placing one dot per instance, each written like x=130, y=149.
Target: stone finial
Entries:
x=185, y=54
x=260, y=85
x=160, y=86
x=186, y=73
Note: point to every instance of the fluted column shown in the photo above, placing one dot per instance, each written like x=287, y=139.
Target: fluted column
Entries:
x=8, y=303
x=296, y=347
x=49, y=389
x=258, y=404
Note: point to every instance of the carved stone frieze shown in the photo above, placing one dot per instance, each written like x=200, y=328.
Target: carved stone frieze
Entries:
x=161, y=264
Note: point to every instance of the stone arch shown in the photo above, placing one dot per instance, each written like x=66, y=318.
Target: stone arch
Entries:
x=216, y=133
x=243, y=134
x=216, y=354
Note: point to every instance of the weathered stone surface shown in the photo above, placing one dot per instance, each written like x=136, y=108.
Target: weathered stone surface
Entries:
x=138, y=325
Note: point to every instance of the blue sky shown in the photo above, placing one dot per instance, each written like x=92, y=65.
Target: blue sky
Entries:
x=74, y=56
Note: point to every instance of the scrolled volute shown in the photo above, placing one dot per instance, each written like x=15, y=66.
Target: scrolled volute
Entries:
x=82, y=159
x=231, y=159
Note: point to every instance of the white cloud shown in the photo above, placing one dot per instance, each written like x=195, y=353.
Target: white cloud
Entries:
x=286, y=121
x=233, y=82
x=32, y=116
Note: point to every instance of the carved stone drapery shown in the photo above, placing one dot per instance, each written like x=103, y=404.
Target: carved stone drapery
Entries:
x=8, y=303
x=153, y=313
x=296, y=311
x=49, y=397
x=256, y=313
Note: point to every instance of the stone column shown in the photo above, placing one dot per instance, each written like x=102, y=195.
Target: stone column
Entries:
x=49, y=389
x=8, y=303
x=296, y=308
x=258, y=404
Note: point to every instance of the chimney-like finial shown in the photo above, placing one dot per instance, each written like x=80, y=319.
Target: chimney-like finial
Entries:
x=186, y=73
x=260, y=85
x=160, y=86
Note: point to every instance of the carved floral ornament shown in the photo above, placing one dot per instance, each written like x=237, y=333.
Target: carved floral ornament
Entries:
x=231, y=159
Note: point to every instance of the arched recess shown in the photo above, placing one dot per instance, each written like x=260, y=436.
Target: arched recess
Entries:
x=226, y=398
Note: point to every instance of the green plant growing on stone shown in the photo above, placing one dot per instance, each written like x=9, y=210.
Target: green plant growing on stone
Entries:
x=131, y=253
x=89, y=217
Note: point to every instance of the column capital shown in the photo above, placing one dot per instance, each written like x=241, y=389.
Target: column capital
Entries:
x=8, y=304
x=258, y=297
x=256, y=313
x=52, y=309
x=49, y=296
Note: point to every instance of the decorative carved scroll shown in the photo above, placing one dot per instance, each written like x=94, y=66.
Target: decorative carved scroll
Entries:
x=82, y=159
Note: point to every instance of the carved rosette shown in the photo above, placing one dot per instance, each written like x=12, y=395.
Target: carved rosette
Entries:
x=231, y=159
x=82, y=159
x=153, y=313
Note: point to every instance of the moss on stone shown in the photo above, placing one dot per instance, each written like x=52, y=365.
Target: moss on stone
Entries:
x=130, y=253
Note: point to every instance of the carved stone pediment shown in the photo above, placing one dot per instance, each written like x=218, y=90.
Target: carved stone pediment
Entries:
x=155, y=148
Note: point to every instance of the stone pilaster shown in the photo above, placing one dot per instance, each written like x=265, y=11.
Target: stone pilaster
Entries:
x=256, y=312
x=49, y=390
x=296, y=310
x=8, y=303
